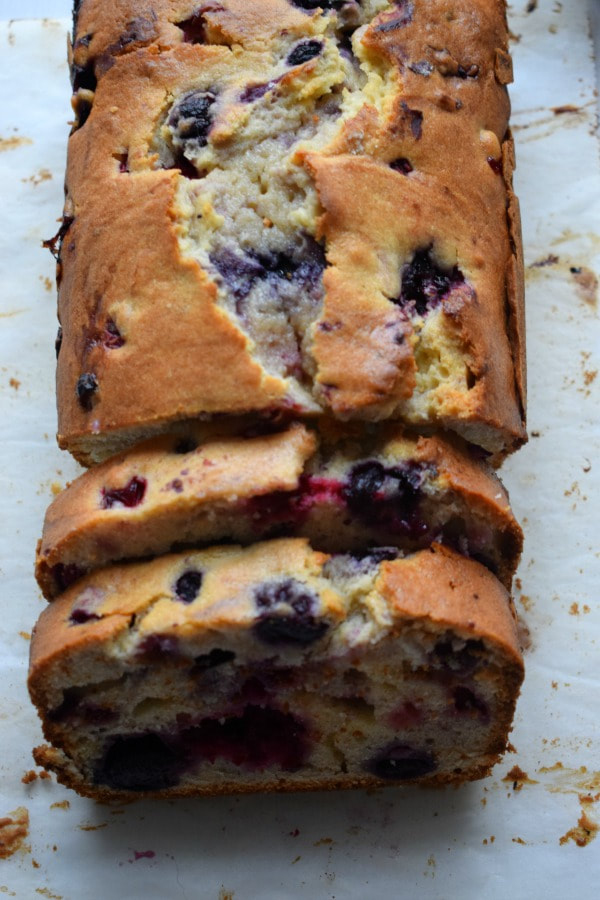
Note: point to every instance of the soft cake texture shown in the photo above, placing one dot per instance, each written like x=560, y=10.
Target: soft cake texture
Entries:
x=275, y=667
x=277, y=206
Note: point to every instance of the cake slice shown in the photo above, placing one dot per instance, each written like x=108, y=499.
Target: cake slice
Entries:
x=275, y=667
x=344, y=491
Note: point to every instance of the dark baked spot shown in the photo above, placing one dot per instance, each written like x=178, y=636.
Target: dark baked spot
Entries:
x=54, y=244
x=138, y=32
x=402, y=164
x=66, y=574
x=112, y=337
x=58, y=341
x=138, y=763
x=191, y=117
x=216, y=657
x=129, y=496
x=425, y=283
x=415, y=120
x=303, y=52
x=467, y=701
x=287, y=613
x=187, y=586
x=185, y=445
x=401, y=762
x=87, y=385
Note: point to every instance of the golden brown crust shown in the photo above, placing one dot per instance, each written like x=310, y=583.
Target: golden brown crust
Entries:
x=435, y=98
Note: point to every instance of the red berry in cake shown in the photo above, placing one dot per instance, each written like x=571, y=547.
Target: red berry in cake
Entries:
x=129, y=496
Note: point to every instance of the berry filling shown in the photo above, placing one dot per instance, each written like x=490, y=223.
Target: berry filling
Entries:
x=66, y=574
x=129, y=496
x=388, y=498
x=425, y=284
x=257, y=739
x=188, y=586
x=304, y=52
x=401, y=761
x=81, y=616
x=87, y=385
x=287, y=614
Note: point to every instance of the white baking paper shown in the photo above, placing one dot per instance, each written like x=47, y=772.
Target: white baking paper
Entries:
x=513, y=835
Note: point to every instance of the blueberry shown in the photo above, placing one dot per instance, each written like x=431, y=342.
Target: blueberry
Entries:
x=421, y=68
x=82, y=616
x=191, y=117
x=254, y=92
x=216, y=657
x=138, y=763
x=424, y=283
x=467, y=701
x=402, y=165
x=156, y=647
x=287, y=614
x=187, y=586
x=87, y=385
x=194, y=30
x=400, y=762
x=112, y=337
x=387, y=499
x=303, y=52
x=365, y=481
x=130, y=496
x=240, y=273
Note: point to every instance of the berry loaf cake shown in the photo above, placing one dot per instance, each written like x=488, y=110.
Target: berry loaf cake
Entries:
x=275, y=667
x=293, y=206
x=386, y=488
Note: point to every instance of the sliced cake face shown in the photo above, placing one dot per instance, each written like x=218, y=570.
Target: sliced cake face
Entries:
x=203, y=485
x=325, y=199
x=276, y=667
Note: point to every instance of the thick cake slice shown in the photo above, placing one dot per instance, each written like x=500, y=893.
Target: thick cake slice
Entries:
x=275, y=668
x=291, y=206
x=205, y=485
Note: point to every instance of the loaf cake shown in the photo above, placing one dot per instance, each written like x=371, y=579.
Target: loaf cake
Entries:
x=199, y=487
x=275, y=667
x=289, y=206
x=291, y=351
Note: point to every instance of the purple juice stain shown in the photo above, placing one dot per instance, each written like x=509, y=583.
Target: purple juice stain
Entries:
x=401, y=762
x=129, y=496
x=86, y=388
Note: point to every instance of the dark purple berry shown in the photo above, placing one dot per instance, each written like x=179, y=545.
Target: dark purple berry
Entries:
x=421, y=68
x=463, y=661
x=240, y=274
x=401, y=762
x=58, y=341
x=156, y=647
x=303, y=52
x=82, y=616
x=402, y=165
x=425, y=284
x=129, y=496
x=254, y=92
x=87, y=385
x=495, y=165
x=467, y=71
x=194, y=29
x=388, y=498
x=405, y=10
x=467, y=701
x=55, y=243
x=216, y=657
x=318, y=4
x=65, y=574
x=259, y=738
x=187, y=586
x=191, y=117
x=365, y=481
x=186, y=445
x=415, y=119
x=138, y=763
x=112, y=337
x=287, y=614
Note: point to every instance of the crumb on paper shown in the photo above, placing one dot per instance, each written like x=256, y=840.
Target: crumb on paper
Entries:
x=61, y=804
x=29, y=777
x=564, y=110
x=550, y=260
x=46, y=892
x=531, y=6
x=92, y=827
x=14, y=828
x=38, y=177
x=11, y=143
x=583, y=833
x=25, y=635
x=226, y=895
x=47, y=282
x=15, y=383
x=518, y=778
x=323, y=841
x=56, y=488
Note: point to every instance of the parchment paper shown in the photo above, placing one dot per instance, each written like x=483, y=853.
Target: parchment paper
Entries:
x=513, y=835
